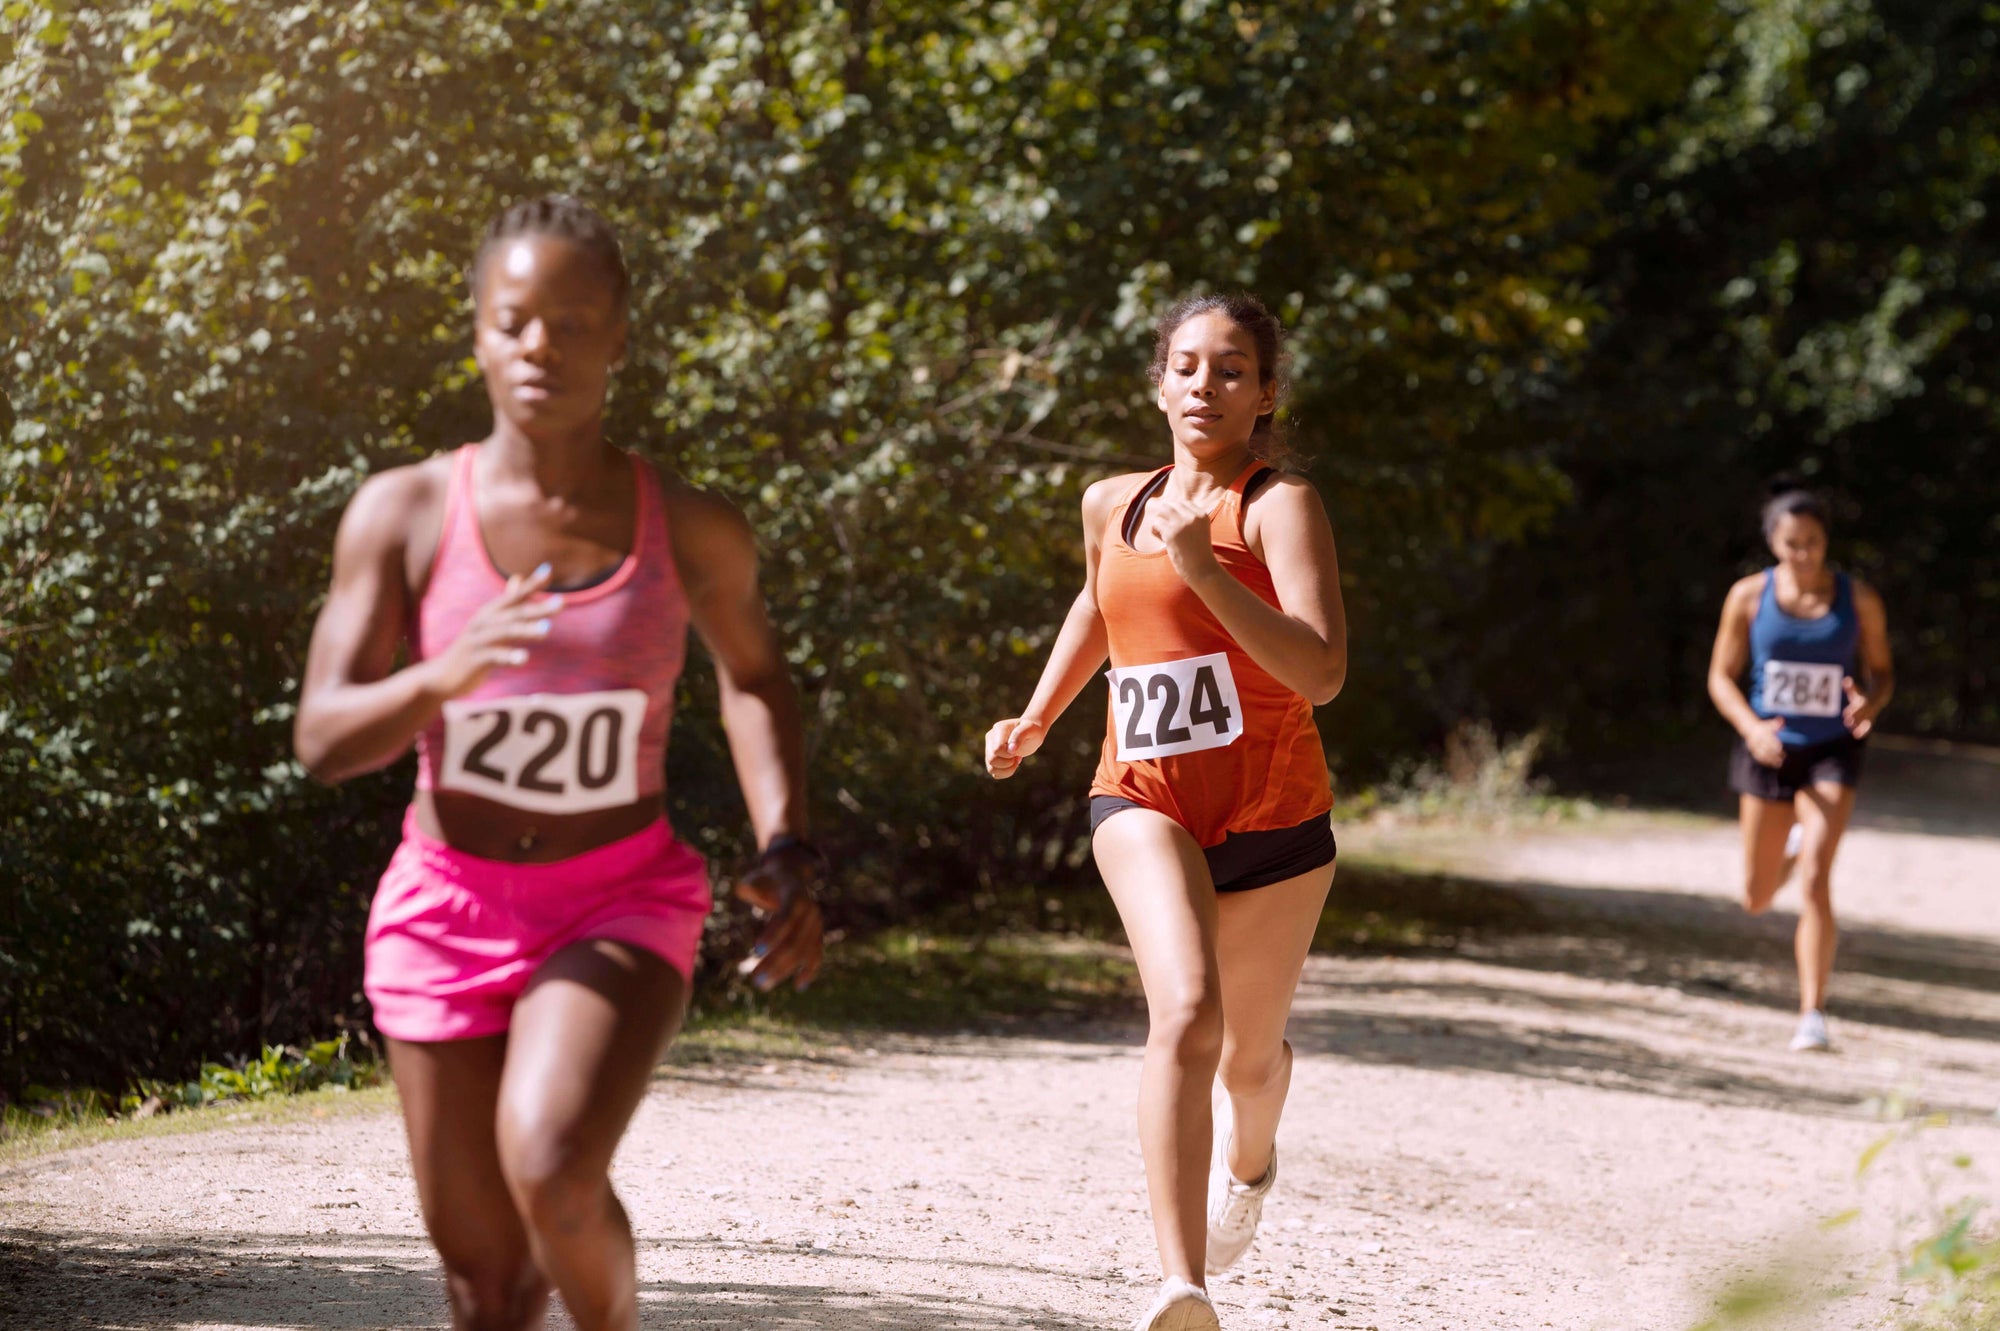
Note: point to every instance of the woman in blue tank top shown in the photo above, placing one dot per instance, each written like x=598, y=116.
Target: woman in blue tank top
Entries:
x=1816, y=644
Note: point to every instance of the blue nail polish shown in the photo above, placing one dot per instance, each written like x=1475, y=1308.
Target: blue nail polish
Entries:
x=543, y=570
x=760, y=949
x=542, y=627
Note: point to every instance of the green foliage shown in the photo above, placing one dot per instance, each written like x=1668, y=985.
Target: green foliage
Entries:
x=279, y=1071
x=1481, y=778
x=1954, y=1253
x=1803, y=278
x=895, y=263
x=1948, y=1246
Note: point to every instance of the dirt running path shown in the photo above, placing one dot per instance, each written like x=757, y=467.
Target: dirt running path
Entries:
x=1580, y=1115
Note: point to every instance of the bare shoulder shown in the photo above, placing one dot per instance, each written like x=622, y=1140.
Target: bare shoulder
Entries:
x=1866, y=598
x=392, y=508
x=702, y=514
x=1743, y=593
x=710, y=535
x=1290, y=494
x=1288, y=507
x=1102, y=498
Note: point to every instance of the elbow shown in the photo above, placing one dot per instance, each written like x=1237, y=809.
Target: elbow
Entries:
x=1327, y=685
x=316, y=756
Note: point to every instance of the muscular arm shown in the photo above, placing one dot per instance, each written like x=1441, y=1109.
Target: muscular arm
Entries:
x=1079, y=650
x=1878, y=667
x=354, y=714
x=1082, y=645
x=717, y=557
x=1731, y=656
x=1303, y=641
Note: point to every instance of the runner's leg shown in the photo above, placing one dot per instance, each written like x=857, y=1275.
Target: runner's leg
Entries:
x=1765, y=825
x=1262, y=937
x=1160, y=883
x=449, y=1092
x=1823, y=810
x=586, y=1036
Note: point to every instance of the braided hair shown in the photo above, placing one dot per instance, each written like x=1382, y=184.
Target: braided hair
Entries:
x=563, y=217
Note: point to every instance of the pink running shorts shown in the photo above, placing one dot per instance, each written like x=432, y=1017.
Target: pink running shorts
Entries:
x=453, y=938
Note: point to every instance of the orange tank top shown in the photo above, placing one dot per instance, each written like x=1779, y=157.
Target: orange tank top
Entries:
x=1198, y=730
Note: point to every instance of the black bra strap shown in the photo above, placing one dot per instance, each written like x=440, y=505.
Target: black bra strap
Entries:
x=1137, y=509
x=1250, y=487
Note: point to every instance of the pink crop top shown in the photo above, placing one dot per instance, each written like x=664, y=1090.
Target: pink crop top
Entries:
x=582, y=725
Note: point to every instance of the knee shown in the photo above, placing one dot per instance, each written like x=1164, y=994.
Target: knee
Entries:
x=493, y=1296
x=1818, y=895
x=1247, y=1072
x=557, y=1186
x=1815, y=862
x=1760, y=886
x=1189, y=1026
x=1757, y=893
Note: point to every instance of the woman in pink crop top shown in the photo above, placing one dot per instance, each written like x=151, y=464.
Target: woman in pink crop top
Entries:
x=530, y=945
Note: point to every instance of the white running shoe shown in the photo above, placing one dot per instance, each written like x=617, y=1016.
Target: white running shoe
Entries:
x=1811, y=1034
x=1234, y=1207
x=1180, y=1307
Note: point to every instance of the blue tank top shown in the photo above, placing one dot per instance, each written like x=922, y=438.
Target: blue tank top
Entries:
x=1797, y=665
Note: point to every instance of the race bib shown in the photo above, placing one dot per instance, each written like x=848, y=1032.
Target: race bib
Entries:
x=1175, y=707
x=1802, y=688
x=549, y=752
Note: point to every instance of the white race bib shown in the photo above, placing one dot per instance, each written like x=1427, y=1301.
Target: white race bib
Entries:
x=1802, y=688
x=1175, y=707
x=549, y=752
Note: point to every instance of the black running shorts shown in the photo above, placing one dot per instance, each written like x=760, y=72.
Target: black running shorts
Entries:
x=1836, y=761
x=1245, y=860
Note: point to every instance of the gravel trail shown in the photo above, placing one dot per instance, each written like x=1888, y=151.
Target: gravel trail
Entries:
x=1581, y=1115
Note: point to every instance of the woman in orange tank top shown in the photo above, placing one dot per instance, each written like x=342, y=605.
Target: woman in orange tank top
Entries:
x=1213, y=588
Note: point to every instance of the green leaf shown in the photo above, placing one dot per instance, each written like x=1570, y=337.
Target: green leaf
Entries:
x=1875, y=1148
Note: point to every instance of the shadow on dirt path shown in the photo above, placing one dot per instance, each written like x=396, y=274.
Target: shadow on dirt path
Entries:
x=102, y=1282
x=1678, y=940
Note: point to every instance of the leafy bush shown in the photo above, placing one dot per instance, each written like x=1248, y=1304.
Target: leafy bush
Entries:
x=279, y=1071
x=894, y=268
x=895, y=264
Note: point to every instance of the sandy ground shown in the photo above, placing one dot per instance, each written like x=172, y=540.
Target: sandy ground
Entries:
x=1580, y=1115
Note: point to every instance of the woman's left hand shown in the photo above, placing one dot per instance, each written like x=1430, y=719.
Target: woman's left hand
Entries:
x=1183, y=529
x=1859, y=714
x=781, y=886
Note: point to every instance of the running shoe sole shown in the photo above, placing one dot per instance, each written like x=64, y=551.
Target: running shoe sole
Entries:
x=1183, y=1315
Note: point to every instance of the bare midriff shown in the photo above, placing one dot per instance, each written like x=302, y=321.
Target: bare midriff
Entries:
x=496, y=831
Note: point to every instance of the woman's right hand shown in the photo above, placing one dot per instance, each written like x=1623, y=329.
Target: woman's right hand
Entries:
x=497, y=633
x=1010, y=741
x=1763, y=742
